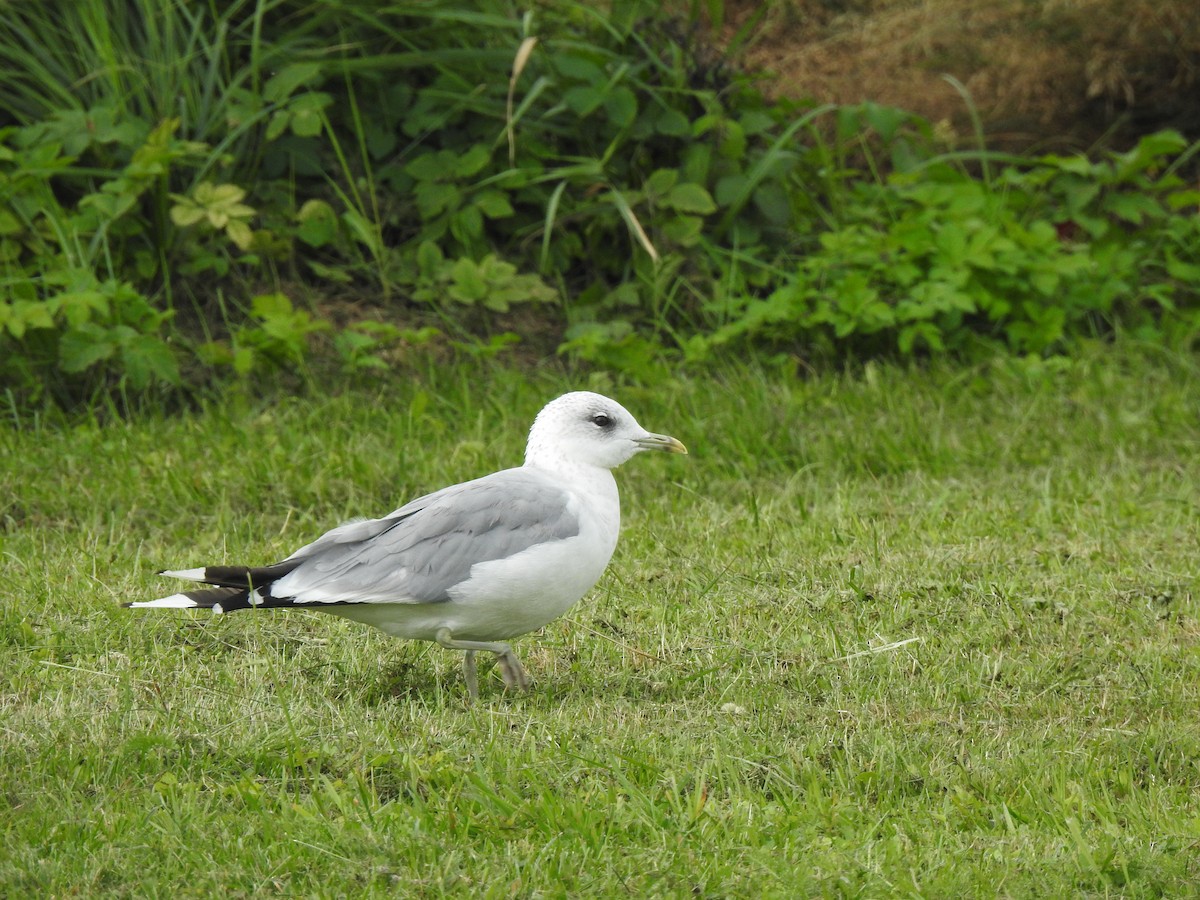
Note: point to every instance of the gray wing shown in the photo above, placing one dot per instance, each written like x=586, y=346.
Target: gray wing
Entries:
x=426, y=547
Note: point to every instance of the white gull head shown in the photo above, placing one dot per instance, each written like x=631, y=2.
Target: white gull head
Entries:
x=586, y=429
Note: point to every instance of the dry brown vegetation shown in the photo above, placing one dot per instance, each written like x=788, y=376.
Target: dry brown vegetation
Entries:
x=1042, y=73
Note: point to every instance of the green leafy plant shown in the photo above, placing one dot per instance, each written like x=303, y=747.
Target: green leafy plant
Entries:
x=219, y=207
x=934, y=259
x=602, y=168
x=72, y=248
x=276, y=335
x=362, y=346
x=489, y=284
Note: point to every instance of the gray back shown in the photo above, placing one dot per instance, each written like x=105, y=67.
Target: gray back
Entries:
x=425, y=548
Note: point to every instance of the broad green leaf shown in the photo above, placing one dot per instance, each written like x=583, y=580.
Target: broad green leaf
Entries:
x=684, y=230
x=473, y=161
x=1178, y=200
x=661, y=181
x=308, y=113
x=951, y=244
x=673, y=123
x=277, y=124
x=773, y=203
x=500, y=300
x=494, y=269
x=885, y=120
x=240, y=233
x=435, y=197
x=583, y=99
x=82, y=347
x=148, y=359
x=1044, y=282
x=925, y=332
x=621, y=106
x=1189, y=273
x=186, y=213
x=493, y=204
x=697, y=163
x=353, y=341
x=1079, y=194
x=243, y=360
x=114, y=203
x=360, y=228
x=1133, y=208
x=730, y=187
x=271, y=306
x=756, y=121
x=436, y=166
x=291, y=77
x=306, y=122
x=317, y=223
x=77, y=307
x=467, y=224
x=219, y=195
x=429, y=258
x=689, y=197
x=469, y=286
x=577, y=67
x=313, y=101
x=216, y=203
x=733, y=141
x=1149, y=152
x=1078, y=165
x=381, y=139
x=25, y=314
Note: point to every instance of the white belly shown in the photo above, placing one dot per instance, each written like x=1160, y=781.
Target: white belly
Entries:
x=507, y=597
x=513, y=596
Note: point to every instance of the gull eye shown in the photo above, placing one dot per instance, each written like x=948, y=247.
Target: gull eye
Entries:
x=600, y=420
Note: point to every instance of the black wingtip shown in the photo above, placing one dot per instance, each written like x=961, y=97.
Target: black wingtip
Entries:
x=241, y=577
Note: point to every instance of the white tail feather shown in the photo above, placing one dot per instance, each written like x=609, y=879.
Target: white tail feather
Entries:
x=175, y=601
x=185, y=574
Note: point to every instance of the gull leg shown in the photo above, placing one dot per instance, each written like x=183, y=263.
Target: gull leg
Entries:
x=512, y=672
x=469, y=675
x=510, y=667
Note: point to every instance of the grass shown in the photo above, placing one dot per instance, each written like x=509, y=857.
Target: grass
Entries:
x=898, y=632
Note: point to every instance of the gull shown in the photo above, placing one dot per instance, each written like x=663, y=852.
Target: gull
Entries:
x=472, y=564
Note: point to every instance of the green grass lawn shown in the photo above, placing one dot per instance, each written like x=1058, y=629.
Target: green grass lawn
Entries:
x=901, y=632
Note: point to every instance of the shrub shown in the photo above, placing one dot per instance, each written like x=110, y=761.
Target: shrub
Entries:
x=443, y=159
x=934, y=259
x=176, y=180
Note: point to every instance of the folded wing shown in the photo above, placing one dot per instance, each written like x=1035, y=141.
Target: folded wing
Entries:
x=417, y=554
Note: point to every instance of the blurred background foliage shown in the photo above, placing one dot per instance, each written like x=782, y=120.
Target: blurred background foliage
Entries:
x=199, y=194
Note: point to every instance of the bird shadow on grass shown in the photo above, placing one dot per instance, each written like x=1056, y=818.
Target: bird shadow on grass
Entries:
x=391, y=681
x=402, y=680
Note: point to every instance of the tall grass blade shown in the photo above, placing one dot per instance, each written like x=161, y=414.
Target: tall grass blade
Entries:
x=519, y=63
x=631, y=220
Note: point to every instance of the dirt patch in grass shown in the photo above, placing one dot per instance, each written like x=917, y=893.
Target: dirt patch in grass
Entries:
x=1045, y=74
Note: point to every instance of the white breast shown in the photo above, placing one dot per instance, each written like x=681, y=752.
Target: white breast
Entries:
x=513, y=596
x=508, y=597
